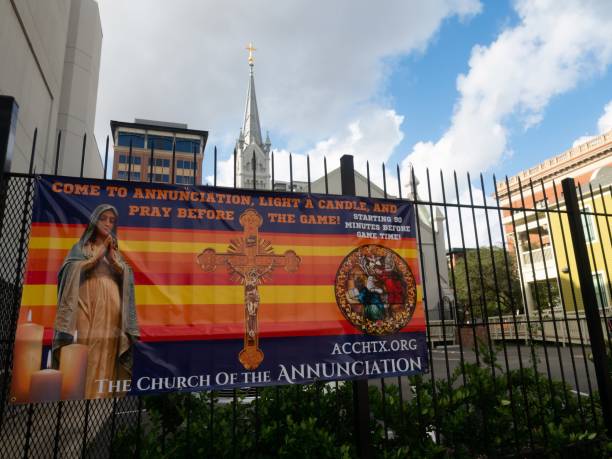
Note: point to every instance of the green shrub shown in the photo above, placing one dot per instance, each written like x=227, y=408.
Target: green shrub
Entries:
x=480, y=417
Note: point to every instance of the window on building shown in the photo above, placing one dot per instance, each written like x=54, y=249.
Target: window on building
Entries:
x=184, y=164
x=187, y=145
x=588, y=225
x=160, y=178
x=123, y=175
x=124, y=159
x=124, y=138
x=183, y=180
x=161, y=162
x=160, y=142
x=600, y=290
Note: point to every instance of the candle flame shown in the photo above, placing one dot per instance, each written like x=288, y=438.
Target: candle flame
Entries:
x=75, y=336
x=29, y=315
x=49, y=363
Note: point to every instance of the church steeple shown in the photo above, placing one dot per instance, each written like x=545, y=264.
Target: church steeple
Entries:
x=250, y=144
x=251, y=128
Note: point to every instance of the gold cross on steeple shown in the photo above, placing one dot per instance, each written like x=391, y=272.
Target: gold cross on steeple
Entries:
x=250, y=49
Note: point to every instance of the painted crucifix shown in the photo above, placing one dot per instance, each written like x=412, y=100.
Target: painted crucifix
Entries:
x=250, y=260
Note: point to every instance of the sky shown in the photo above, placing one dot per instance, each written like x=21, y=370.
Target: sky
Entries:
x=470, y=86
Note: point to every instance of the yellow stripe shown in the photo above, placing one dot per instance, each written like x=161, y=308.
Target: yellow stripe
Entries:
x=46, y=294
x=197, y=247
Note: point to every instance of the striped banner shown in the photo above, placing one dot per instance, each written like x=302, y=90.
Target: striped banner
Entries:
x=235, y=287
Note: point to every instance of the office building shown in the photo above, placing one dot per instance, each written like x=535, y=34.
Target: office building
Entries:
x=172, y=152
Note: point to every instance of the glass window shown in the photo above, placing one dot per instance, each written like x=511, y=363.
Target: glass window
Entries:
x=184, y=164
x=160, y=142
x=124, y=159
x=588, y=225
x=187, y=145
x=122, y=175
x=184, y=180
x=600, y=290
x=161, y=162
x=135, y=176
x=124, y=138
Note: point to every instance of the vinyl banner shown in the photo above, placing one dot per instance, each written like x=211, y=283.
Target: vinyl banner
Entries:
x=141, y=288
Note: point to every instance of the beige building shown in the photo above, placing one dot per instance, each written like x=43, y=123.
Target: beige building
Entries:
x=178, y=152
x=50, y=55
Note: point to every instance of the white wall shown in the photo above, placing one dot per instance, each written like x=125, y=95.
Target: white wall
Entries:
x=80, y=89
x=34, y=35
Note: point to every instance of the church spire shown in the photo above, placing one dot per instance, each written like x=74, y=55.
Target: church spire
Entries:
x=251, y=128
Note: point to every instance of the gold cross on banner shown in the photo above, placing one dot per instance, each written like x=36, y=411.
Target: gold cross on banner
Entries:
x=250, y=259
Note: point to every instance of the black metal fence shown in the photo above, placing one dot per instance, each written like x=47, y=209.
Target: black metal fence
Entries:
x=519, y=323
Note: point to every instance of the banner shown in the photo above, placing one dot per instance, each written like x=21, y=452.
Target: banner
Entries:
x=140, y=288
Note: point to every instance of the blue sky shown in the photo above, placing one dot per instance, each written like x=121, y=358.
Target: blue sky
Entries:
x=477, y=86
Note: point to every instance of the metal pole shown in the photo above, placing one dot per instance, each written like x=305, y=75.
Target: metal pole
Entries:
x=234, y=168
x=589, y=300
x=105, y=158
x=254, y=171
x=83, y=154
x=151, y=162
x=361, y=402
x=57, y=151
x=9, y=109
x=195, y=165
x=308, y=170
x=173, y=168
x=290, y=173
x=215, y=174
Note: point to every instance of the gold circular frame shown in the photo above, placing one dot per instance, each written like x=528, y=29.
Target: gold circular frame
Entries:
x=384, y=270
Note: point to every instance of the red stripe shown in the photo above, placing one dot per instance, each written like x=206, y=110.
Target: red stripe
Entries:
x=162, y=333
x=215, y=278
x=153, y=333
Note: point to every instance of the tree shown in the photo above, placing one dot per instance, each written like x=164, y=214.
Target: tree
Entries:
x=491, y=282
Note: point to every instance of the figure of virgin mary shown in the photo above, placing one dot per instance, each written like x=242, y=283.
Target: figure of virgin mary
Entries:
x=96, y=299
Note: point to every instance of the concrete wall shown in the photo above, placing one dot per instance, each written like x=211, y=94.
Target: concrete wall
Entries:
x=80, y=90
x=35, y=44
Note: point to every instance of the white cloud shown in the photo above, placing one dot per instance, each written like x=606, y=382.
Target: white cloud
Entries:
x=372, y=136
x=554, y=46
x=604, y=123
x=316, y=67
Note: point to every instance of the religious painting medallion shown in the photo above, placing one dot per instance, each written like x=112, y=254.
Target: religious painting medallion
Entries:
x=375, y=290
x=250, y=260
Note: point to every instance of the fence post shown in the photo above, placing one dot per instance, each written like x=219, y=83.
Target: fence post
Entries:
x=8, y=124
x=589, y=300
x=361, y=402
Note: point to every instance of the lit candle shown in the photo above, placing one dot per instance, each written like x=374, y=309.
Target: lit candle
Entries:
x=26, y=358
x=46, y=385
x=73, y=366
